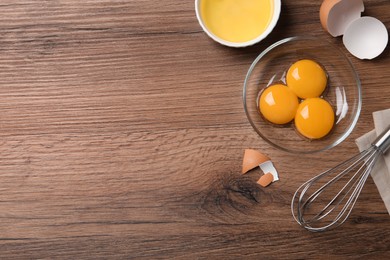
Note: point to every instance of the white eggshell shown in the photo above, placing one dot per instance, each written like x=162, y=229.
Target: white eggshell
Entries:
x=366, y=37
x=342, y=14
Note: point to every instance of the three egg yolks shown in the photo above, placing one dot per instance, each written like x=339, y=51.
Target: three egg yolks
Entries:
x=306, y=78
x=279, y=104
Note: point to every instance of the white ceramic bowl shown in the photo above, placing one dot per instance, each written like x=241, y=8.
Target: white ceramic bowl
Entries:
x=272, y=24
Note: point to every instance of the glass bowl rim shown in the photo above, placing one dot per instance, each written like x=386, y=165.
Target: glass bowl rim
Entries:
x=359, y=96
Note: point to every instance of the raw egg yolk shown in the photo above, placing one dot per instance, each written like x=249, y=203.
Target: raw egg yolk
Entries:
x=278, y=104
x=306, y=78
x=314, y=118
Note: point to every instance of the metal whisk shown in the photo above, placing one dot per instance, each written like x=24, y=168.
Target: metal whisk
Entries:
x=326, y=201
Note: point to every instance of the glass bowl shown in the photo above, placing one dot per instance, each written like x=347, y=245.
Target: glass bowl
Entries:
x=343, y=92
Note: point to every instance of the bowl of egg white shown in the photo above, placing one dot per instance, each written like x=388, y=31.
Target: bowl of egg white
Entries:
x=302, y=95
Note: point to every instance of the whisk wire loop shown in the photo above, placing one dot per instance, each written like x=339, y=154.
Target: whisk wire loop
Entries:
x=358, y=168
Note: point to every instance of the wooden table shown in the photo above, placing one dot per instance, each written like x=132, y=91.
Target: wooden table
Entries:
x=122, y=132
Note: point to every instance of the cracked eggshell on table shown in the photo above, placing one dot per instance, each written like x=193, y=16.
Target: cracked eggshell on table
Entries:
x=364, y=37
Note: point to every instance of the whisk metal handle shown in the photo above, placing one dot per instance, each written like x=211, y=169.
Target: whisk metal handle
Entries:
x=382, y=143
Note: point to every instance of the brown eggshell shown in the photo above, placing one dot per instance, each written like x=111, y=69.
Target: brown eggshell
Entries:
x=337, y=15
x=325, y=8
x=266, y=179
x=252, y=159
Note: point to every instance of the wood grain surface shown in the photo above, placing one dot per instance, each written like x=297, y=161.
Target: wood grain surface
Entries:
x=122, y=132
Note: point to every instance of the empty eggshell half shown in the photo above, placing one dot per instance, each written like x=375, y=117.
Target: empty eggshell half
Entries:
x=252, y=159
x=336, y=15
x=366, y=38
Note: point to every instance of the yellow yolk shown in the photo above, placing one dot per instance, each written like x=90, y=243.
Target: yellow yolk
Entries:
x=278, y=104
x=314, y=118
x=306, y=78
x=236, y=20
